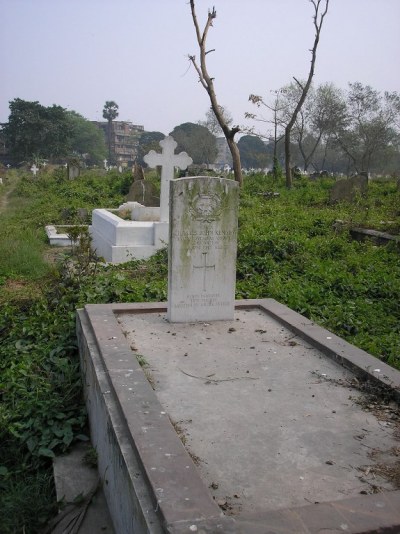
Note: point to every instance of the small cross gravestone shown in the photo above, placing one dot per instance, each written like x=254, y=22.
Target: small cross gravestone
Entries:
x=34, y=169
x=202, y=249
x=105, y=164
x=8, y=165
x=168, y=161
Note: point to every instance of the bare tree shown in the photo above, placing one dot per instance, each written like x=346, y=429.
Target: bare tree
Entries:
x=318, y=19
x=208, y=83
x=278, y=110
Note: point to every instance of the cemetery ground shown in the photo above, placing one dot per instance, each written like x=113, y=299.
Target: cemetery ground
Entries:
x=290, y=248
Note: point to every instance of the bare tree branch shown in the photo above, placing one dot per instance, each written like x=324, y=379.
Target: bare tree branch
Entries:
x=208, y=83
x=318, y=19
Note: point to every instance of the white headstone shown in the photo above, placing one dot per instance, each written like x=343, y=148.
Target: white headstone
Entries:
x=202, y=249
x=168, y=160
x=34, y=169
x=105, y=164
x=8, y=165
x=120, y=169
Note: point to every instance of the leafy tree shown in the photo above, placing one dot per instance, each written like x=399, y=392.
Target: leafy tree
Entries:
x=212, y=123
x=253, y=152
x=321, y=115
x=370, y=126
x=35, y=130
x=110, y=112
x=148, y=141
x=197, y=141
x=87, y=140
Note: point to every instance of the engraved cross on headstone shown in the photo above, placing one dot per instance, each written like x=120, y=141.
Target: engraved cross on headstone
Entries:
x=204, y=267
x=34, y=169
x=168, y=160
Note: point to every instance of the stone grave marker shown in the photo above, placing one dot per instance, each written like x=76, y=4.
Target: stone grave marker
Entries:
x=346, y=190
x=168, y=161
x=73, y=171
x=82, y=214
x=202, y=249
x=144, y=192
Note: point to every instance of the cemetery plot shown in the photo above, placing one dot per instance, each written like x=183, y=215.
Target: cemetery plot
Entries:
x=271, y=424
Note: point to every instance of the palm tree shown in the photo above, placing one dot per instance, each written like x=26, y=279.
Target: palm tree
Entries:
x=110, y=112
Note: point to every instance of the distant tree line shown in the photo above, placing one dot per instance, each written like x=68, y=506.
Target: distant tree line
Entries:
x=339, y=131
x=37, y=132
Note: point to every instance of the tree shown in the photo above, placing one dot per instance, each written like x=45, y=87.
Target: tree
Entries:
x=87, y=140
x=208, y=83
x=37, y=131
x=370, y=125
x=197, y=141
x=320, y=116
x=212, y=123
x=277, y=109
x=110, y=112
x=253, y=152
x=148, y=141
x=318, y=20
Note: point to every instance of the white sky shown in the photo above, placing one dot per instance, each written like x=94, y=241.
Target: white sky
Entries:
x=80, y=53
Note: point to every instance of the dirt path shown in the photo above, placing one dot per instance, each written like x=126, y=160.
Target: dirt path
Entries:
x=4, y=200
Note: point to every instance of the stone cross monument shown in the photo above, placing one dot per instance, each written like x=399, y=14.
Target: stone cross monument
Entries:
x=168, y=160
x=34, y=169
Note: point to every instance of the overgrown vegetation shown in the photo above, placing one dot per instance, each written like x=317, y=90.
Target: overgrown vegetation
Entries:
x=289, y=249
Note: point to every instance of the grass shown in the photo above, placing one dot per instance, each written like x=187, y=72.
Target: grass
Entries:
x=289, y=248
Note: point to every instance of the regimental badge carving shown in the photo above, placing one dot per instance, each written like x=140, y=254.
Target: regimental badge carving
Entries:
x=206, y=207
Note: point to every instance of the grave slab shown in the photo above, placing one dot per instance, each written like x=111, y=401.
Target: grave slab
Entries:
x=250, y=424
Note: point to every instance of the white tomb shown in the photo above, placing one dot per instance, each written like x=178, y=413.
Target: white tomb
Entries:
x=118, y=240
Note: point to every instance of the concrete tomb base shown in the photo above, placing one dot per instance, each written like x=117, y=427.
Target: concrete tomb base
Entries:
x=58, y=235
x=118, y=240
x=254, y=425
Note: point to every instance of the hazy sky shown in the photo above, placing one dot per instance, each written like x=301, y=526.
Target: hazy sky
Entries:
x=80, y=53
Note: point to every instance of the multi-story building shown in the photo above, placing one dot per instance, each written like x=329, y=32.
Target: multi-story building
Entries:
x=124, y=141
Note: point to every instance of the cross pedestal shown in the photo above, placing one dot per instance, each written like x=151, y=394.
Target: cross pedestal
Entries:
x=168, y=160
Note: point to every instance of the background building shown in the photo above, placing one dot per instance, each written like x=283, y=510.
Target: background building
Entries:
x=124, y=141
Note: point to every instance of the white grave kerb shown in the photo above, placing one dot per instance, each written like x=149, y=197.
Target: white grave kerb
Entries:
x=34, y=169
x=168, y=160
